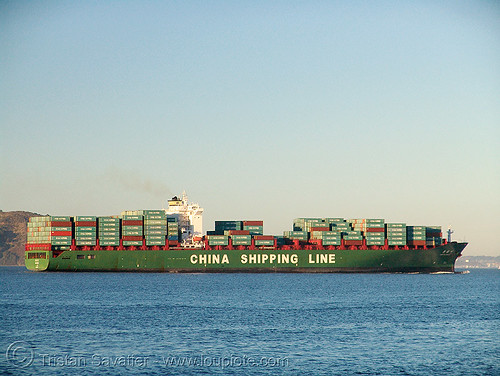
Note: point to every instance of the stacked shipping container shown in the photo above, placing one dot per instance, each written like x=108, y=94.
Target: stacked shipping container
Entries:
x=61, y=232
x=108, y=231
x=173, y=230
x=132, y=230
x=375, y=232
x=396, y=234
x=86, y=230
x=433, y=236
x=154, y=228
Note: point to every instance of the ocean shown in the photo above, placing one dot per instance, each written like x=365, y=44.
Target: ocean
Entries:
x=249, y=324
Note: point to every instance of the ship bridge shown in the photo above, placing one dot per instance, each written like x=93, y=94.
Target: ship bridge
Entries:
x=189, y=215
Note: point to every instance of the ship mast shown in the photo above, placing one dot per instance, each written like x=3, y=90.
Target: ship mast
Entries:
x=450, y=231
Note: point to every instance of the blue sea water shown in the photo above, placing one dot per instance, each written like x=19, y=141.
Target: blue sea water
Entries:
x=249, y=324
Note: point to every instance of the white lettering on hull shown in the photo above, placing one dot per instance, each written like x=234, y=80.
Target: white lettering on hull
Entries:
x=322, y=258
x=273, y=258
x=254, y=258
x=209, y=258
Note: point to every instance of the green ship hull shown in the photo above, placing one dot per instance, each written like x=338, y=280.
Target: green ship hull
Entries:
x=438, y=259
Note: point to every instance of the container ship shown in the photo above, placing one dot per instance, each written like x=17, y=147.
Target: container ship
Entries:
x=171, y=240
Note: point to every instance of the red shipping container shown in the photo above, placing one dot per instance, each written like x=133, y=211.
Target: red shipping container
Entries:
x=375, y=229
x=319, y=229
x=132, y=237
x=132, y=222
x=239, y=232
x=263, y=237
x=416, y=242
x=173, y=242
x=39, y=246
x=353, y=242
x=253, y=223
x=86, y=223
x=60, y=233
x=60, y=224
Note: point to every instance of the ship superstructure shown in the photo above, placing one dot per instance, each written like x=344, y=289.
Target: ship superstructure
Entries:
x=190, y=219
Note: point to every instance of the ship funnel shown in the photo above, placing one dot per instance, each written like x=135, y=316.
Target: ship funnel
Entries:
x=175, y=201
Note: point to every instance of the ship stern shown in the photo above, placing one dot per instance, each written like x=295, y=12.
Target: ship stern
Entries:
x=37, y=261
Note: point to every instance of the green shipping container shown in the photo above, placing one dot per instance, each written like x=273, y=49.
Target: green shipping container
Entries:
x=61, y=229
x=133, y=217
x=373, y=221
x=85, y=242
x=132, y=228
x=397, y=238
x=218, y=242
x=152, y=212
x=416, y=232
x=108, y=219
x=217, y=237
x=155, y=237
x=396, y=242
x=61, y=242
x=242, y=242
x=331, y=237
x=294, y=233
x=155, y=232
x=85, y=238
x=85, y=218
x=109, y=224
x=254, y=230
x=318, y=224
x=333, y=220
x=59, y=218
x=109, y=233
x=85, y=229
x=326, y=242
x=63, y=238
x=395, y=225
x=109, y=230
x=155, y=242
x=241, y=237
x=128, y=243
x=378, y=236
x=132, y=233
x=109, y=238
x=375, y=225
x=85, y=233
x=375, y=241
x=109, y=243
x=151, y=222
x=156, y=227
x=264, y=242
x=155, y=217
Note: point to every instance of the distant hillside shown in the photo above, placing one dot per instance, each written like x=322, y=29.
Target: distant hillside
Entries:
x=478, y=262
x=13, y=236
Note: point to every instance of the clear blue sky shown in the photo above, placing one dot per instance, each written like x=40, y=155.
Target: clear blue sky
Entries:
x=258, y=109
